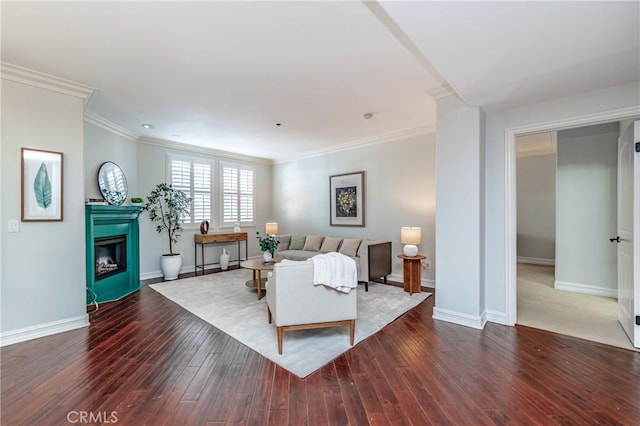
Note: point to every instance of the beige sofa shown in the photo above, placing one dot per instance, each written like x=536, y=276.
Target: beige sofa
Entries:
x=295, y=303
x=373, y=257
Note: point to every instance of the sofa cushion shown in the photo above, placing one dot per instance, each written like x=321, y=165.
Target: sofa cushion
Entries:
x=285, y=240
x=313, y=242
x=297, y=242
x=350, y=246
x=297, y=254
x=330, y=244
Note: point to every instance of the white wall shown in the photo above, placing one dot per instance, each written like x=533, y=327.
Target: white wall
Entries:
x=399, y=185
x=43, y=266
x=536, y=175
x=460, y=213
x=586, y=261
x=103, y=145
x=542, y=116
x=151, y=170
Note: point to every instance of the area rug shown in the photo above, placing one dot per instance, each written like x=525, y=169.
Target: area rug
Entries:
x=223, y=300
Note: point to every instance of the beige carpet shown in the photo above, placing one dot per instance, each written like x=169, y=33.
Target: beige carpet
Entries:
x=223, y=300
x=580, y=315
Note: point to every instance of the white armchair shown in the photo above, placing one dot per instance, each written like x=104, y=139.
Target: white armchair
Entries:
x=294, y=303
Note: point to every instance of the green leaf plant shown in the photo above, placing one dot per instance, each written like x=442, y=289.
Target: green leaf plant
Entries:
x=168, y=207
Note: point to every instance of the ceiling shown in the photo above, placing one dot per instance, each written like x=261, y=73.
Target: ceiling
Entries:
x=223, y=75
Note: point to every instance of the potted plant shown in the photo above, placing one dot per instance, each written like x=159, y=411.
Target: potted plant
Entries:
x=168, y=207
x=268, y=245
x=136, y=201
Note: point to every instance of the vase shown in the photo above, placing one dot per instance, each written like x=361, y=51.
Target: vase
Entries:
x=224, y=259
x=170, y=266
x=266, y=257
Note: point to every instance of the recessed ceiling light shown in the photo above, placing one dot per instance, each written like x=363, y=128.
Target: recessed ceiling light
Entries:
x=147, y=126
x=367, y=115
x=278, y=124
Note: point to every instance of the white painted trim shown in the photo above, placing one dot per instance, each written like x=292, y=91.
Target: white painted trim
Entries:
x=45, y=81
x=460, y=318
x=510, y=188
x=360, y=143
x=110, y=126
x=202, y=150
x=536, y=261
x=424, y=282
x=496, y=317
x=42, y=330
x=585, y=289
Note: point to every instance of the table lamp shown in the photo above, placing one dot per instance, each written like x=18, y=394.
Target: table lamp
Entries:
x=410, y=236
x=271, y=228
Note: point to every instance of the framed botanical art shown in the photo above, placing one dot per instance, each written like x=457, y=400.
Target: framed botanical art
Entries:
x=346, y=193
x=41, y=185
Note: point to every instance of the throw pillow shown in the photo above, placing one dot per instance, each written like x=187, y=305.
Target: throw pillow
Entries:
x=313, y=243
x=330, y=244
x=350, y=246
x=297, y=242
x=284, y=242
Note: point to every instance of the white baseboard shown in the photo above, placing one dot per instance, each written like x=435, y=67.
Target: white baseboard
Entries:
x=460, y=318
x=424, y=282
x=586, y=289
x=42, y=330
x=536, y=261
x=496, y=317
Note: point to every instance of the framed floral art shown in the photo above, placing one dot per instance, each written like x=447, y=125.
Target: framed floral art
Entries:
x=346, y=193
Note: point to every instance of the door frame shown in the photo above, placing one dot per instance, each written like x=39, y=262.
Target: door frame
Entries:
x=510, y=214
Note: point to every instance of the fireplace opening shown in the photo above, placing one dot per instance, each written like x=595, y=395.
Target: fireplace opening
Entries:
x=110, y=255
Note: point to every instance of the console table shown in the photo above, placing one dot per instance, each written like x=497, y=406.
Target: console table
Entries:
x=411, y=272
x=217, y=238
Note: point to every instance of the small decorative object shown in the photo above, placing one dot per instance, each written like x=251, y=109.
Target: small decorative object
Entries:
x=41, y=185
x=112, y=183
x=268, y=245
x=204, y=227
x=167, y=206
x=136, y=201
x=236, y=227
x=411, y=236
x=267, y=257
x=224, y=259
x=346, y=193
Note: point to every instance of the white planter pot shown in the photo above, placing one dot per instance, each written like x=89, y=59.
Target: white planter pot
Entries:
x=170, y=266
x=266, y=256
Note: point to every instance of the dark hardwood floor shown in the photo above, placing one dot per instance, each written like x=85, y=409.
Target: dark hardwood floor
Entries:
x=144, y=360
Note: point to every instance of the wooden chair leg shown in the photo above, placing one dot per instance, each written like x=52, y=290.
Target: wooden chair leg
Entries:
x=352, y=331
x=280, y=333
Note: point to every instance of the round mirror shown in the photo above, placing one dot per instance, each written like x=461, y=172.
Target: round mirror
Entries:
x=112, y=183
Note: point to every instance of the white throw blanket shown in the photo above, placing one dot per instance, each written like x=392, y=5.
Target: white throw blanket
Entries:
x=335, y=270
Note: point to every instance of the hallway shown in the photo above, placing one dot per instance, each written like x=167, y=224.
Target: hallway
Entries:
x=580, y=315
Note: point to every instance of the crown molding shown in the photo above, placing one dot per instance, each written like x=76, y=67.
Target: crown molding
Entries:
x=45, y=81
x=110, y=126
x=202, y=150
x=444, y=91
x=360, y=143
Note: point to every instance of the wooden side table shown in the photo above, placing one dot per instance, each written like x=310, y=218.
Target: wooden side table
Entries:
x=411, y=272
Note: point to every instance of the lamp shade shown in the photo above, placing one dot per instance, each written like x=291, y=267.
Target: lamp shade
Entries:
x=271, y=228
x=411, y=235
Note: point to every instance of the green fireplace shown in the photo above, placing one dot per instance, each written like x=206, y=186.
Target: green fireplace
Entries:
x=113, y=252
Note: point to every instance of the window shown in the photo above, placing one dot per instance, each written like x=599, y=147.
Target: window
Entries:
x=238, y=183
x=193, y=176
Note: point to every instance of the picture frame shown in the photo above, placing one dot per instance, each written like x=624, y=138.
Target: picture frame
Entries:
x=41, y=185
x=347, y=199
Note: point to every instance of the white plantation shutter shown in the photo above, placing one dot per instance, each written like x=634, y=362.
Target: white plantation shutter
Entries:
x=237, y=194
x=193, y=176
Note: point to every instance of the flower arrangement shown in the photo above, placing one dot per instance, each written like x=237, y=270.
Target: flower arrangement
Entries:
x=268, y=243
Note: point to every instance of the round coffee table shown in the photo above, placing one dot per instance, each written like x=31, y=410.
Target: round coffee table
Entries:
x=257, y=267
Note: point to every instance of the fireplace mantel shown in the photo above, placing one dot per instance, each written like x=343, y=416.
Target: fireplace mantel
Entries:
x=112, y=221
